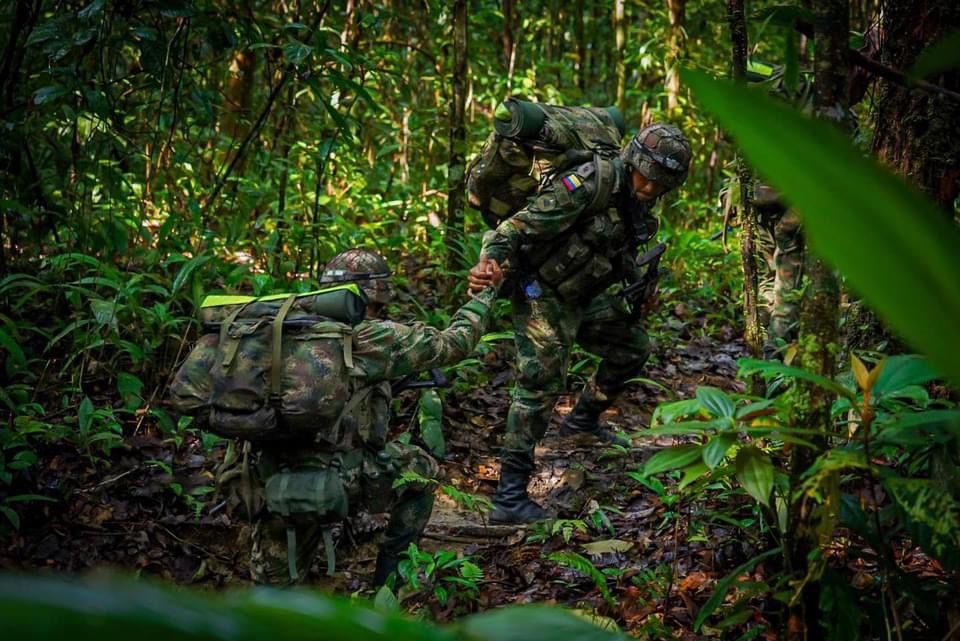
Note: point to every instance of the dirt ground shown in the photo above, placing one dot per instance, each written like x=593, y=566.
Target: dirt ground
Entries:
x=137, y=511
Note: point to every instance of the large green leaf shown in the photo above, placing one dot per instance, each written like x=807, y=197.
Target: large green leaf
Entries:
x=900, y=371
x=115, y=609
x=769, y=369
x=119, y=610
x=715, y=451
x=716, y=402
x=430, y=414
x=755, y=473
x=942, y=55
x=672, y=458
x=894, y=246
x=533, y=624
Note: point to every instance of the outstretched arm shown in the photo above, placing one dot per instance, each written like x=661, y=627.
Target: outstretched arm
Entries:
x=385, y=350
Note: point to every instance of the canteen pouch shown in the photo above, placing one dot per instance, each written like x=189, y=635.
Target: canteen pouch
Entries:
x=308, y=495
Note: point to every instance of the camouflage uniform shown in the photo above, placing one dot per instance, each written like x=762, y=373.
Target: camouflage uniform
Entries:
x=382, y=351
x=780, y=246
x=780, y=249
x=545, y=329
x=568, y=249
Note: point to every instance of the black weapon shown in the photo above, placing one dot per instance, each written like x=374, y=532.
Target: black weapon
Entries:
x=437, y=379
x=719, y=234
x=646, y=286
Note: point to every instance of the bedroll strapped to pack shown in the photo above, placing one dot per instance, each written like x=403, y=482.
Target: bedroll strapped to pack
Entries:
x=274, y=367
x=532, y=141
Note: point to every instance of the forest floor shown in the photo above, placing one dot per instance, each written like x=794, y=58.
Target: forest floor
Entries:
x=142, y=511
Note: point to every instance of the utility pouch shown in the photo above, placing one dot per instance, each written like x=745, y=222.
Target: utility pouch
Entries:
x=589, y=280
x=377, y=479
x=569, y=257
x=308, y=495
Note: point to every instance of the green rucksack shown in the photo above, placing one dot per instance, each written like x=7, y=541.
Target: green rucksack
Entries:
x=532, y=141
x=274, y=367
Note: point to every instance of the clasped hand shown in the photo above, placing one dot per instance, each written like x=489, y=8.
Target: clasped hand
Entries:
x=485, y=273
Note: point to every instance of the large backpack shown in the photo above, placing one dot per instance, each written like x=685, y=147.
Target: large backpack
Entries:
x=272, y=368
x=531, y=141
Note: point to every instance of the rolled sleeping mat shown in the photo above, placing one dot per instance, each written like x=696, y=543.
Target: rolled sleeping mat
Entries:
x=519, y=119
x=616, y=117
x=569, y=127
x=344, y=303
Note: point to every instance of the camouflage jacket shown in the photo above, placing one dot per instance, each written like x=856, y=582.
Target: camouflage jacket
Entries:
x=385, y=350
x=576, y=249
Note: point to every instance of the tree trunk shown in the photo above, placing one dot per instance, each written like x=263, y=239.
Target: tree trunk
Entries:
x=917, y=132
x=819, y=315
x=507, y=41
x=581, y=48
x=677, y=11
x=239, y=94
x=620, y=39
x=456, y=165
x=748, y=219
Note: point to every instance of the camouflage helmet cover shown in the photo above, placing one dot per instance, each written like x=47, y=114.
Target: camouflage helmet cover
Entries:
x=661, y=153
x=367, y=268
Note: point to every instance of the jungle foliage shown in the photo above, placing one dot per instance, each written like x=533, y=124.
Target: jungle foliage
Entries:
x=156, y=151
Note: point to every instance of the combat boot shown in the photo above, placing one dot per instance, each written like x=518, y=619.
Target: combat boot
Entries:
x=408, y=518
x=512, y=505
x=387, y=564
x=584, y=420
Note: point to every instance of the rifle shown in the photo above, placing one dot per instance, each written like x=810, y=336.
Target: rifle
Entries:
x=639, y=292
x=437, y=379
x=719, y=234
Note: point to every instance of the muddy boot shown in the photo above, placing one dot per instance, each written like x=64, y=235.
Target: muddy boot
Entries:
x=511, y=505
x=584, y=419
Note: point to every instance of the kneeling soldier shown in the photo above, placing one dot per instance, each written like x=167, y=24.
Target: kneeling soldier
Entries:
x=318, y=439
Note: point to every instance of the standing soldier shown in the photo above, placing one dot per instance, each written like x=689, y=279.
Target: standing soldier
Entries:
x=298, y=491
x=780, y=246
x=579, y=236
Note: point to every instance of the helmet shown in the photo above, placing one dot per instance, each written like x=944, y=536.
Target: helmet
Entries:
x=365, y=267
x=661, y=153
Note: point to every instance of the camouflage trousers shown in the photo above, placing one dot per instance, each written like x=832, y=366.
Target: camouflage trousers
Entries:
x=368, y=478
x=780, y=261
x=545, y=330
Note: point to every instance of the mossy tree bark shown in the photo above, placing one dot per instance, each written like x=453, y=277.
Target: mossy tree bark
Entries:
x=918, y=132
x=456, y=165
x=677, y=10
x=748, y=219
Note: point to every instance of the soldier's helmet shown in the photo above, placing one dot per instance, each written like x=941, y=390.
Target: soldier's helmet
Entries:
x=661, y=153
x=368, y=269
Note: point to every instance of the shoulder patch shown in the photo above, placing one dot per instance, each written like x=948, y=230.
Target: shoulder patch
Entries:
x=572, y=182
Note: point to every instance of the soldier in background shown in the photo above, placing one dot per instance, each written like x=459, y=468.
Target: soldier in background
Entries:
x=780, y=239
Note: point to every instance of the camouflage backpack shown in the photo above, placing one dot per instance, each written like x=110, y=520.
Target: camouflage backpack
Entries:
x=272, y=368
x=532, y=141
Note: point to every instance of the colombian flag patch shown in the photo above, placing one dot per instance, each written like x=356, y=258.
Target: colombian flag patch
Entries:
x=572, y=182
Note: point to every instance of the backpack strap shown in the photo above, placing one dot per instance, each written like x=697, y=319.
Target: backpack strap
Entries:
x=230, y=351
x=292, y=553
x=329, y=551
x=605, y=182
x=276, y=372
